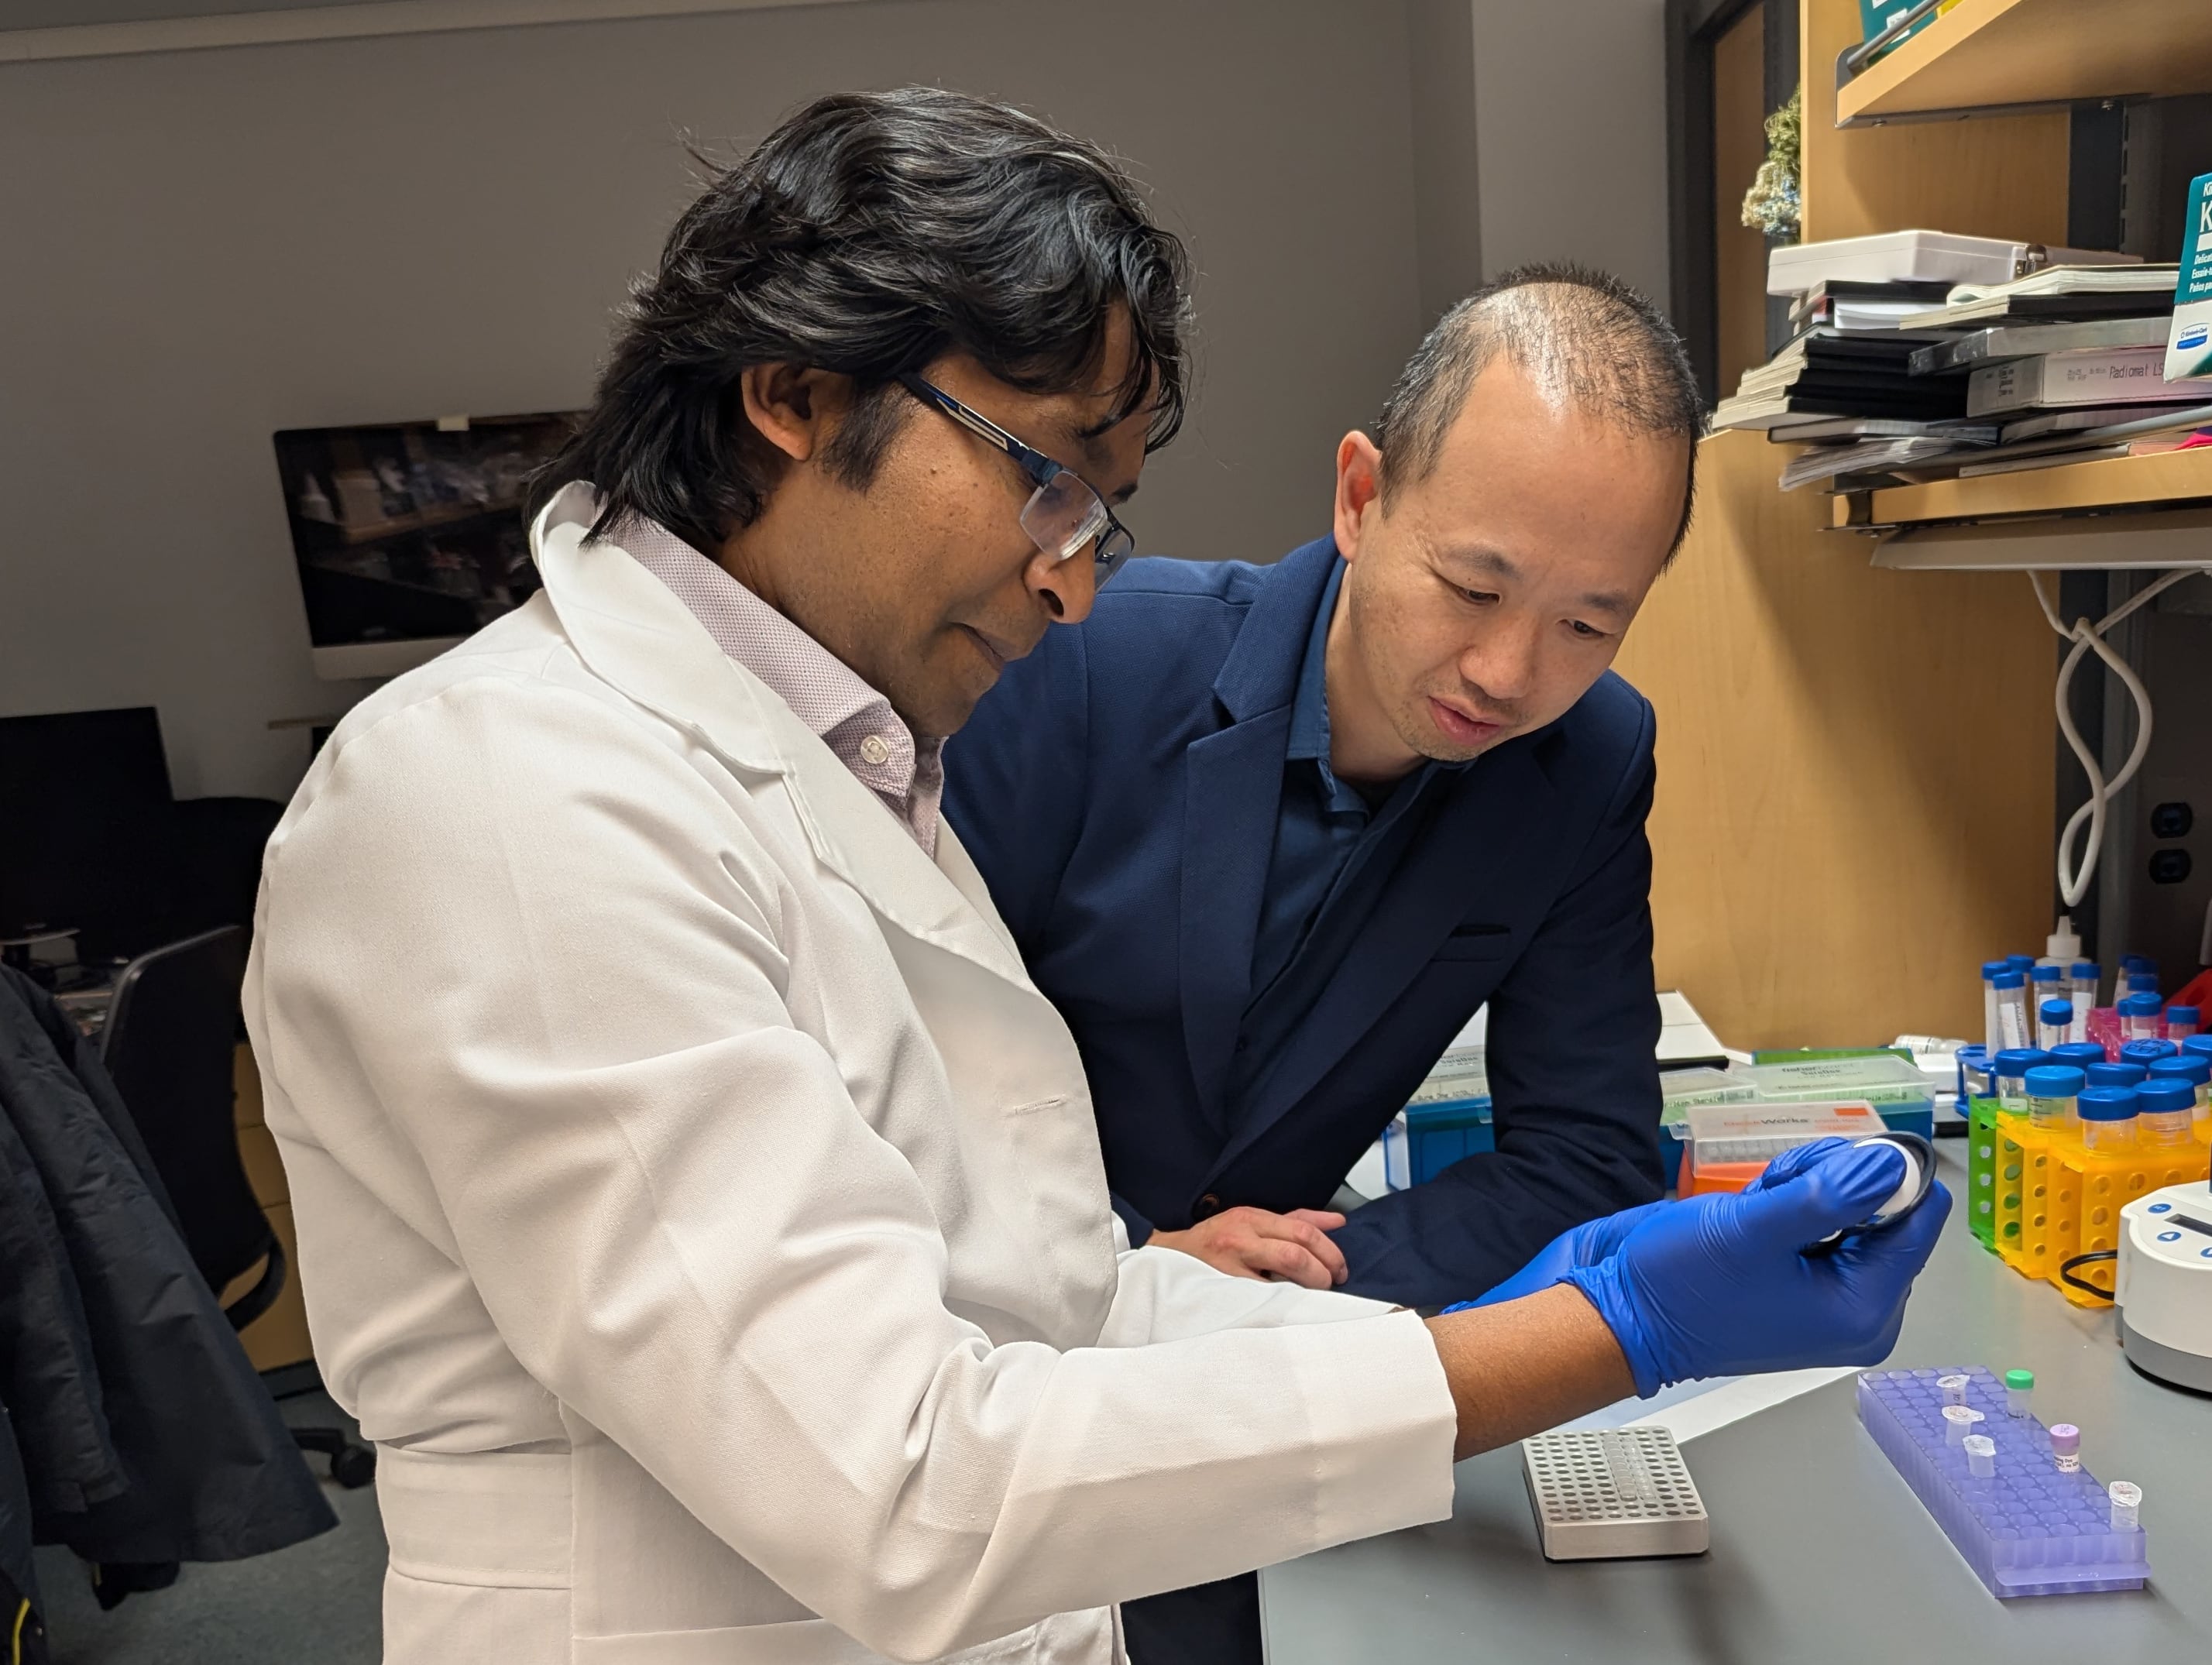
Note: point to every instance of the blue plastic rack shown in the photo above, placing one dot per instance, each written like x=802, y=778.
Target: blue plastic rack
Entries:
x=2031, y=1529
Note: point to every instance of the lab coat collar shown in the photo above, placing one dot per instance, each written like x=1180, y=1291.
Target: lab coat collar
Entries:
x=634, y=632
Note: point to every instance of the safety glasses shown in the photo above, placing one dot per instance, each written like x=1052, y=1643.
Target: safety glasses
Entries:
x=1063, y=514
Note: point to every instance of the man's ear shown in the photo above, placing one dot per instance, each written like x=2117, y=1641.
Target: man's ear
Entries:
x=1358, y=490
x=793, y=407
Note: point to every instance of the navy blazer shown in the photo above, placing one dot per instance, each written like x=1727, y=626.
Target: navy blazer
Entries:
x=1119, y=790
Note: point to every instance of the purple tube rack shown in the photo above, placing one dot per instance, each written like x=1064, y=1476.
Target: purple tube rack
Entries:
x=2031, y=1529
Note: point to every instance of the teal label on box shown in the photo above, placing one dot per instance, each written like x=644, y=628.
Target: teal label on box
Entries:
x=2188, y=347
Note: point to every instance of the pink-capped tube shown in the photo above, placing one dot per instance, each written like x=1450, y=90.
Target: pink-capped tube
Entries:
x=2066, y=1447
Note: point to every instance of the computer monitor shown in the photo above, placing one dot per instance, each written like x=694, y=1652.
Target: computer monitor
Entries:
x=410, y=536
x=85, y=836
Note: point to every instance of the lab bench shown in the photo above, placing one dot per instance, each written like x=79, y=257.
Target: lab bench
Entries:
x=1819, y=1551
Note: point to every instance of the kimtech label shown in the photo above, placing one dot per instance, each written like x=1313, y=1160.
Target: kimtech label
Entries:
x=2189, y=347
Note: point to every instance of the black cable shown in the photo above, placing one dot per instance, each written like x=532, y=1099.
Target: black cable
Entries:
x=2066, y=1271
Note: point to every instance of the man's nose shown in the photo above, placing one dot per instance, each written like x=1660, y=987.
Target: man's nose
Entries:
x=1067, y=588
x=1503, y=664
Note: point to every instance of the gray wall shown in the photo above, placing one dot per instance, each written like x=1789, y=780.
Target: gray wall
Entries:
x=1570, y=120
x=206, y=246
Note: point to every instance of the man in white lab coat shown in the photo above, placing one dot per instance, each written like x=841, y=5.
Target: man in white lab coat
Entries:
x=698, y=1204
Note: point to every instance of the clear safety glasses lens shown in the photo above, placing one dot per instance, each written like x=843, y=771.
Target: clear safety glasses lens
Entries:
x=1064, y=514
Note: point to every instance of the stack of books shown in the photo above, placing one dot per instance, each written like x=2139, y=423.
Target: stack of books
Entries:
x=1887, y=382
x=1858, y=368
x=2062, y=361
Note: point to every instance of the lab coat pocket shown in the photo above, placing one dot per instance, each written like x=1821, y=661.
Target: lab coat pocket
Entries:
x=1054, y=1143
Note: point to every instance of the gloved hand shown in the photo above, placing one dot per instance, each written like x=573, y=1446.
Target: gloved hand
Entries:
x=1719, y=1286
x=1578, y=1246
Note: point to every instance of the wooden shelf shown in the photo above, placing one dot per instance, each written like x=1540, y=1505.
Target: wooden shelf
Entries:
x=2162, y=481
x=1990, y=54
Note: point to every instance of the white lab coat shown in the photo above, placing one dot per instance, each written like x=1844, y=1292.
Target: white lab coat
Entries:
x=703, y=1210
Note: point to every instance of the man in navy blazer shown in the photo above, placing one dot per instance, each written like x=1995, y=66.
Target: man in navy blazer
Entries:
x=1267, y=837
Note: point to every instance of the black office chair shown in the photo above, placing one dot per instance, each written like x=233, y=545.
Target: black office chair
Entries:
x=169, y=1046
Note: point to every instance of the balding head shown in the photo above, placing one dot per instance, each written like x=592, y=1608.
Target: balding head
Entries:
x=1584, y=340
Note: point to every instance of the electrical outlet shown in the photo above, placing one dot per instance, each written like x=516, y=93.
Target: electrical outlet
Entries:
x=2171, y=820
x=2169, y=866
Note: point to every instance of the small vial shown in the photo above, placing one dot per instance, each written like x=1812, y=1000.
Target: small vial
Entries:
x=2012, y=1009
x=2139, y=1018
x=2048, y=982
x=2126, y=1499
x=2083, y=978
x=1975, y=1081
x=2051, y=1091
x=2181, y=1023
x=1993, y=1040
x=2054, y=1023
x=2146, y=1053
x=2165, y=1114
x=2019, y=1384
x=2011, y=1069
x=1953, y=1388
x=1958, y=1421
x=1981, y=1455
x=2197, y=1071
x=2066, y=1447
x=2115, y=1075
x=2108, y=1120
x=2080, y=1053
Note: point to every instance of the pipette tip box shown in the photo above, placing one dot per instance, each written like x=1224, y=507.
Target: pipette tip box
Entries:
x=2031, y=1529
x=1602, y=1493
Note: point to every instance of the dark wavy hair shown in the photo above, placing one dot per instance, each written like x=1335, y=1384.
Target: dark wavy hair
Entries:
x=869, y=235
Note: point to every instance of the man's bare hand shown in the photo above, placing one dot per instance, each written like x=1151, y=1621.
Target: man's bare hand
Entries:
x=1251, y=1243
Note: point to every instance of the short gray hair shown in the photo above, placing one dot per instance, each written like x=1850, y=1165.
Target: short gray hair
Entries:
x=1584, y=336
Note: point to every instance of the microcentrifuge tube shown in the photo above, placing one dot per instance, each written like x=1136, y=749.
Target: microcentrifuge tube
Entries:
x=2126, y=1500
x=1981, y=1455
x=2019, y=1384
x=2066, y=1447
x=1954, y=1389
x=1958, y=1421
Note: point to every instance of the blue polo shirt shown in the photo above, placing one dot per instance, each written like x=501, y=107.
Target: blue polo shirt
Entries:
x=1333, y=851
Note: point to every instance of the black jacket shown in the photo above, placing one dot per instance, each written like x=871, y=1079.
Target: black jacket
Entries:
x=144, y=1432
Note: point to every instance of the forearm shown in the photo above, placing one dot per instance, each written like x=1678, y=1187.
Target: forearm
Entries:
x=1521, y=1367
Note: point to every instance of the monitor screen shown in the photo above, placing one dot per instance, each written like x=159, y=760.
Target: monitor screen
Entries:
x=85, y=839
x=410, y=536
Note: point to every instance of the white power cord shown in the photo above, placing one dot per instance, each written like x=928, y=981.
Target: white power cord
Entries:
x=2089, y=638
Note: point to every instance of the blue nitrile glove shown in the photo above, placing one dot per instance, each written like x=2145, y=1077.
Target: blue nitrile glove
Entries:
x=1795, y=1161
x=1577, y=1246
x=1718, y=1285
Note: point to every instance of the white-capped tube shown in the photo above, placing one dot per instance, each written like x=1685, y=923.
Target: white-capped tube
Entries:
x=1953, y=1388
x=1958, y=1421
x=2126, y=1499
x=1981, y=1455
